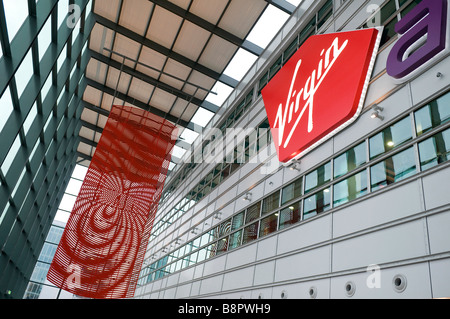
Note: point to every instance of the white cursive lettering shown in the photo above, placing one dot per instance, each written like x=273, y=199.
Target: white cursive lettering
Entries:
x=306, y=94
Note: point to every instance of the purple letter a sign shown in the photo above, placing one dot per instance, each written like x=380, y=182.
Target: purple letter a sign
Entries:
x=427, y=21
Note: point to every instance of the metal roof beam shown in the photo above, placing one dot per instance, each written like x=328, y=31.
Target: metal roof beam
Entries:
x=159, y=48
x=138, y=103
x=149, y=80
x=208, y=26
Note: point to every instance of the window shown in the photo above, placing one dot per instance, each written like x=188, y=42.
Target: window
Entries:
x=238, y=221
x=235, y=239
x=253, y=212
x=16, y=11
x=350, y=188
x=433, y=114
x=45, y=38
x=271, y=203
x=6, y=105
x=291, y=191
x=9, y=159
x=350, y=160
x=30, y=118
x=290, y=215
x=317, y=178
x=24, y=73
x=434, y=150
x=225, y=228
x=390, y=137
x=393, y=169
x=316, y=204
x=268, y=225
x=250, y=233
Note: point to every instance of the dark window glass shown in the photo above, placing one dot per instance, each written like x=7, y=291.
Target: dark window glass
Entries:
x=433, y=114
x=435, y=150
x=290, y=215
x=250, y=233
x=350, y=160
x=271, y=203
x=390, y=137
x=316, y=204
x=350, y=188
x=393, y=169
x=253, y=212
x=291, y=191
x=268, y=225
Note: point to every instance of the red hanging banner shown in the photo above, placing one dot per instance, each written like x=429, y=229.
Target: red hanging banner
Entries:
x=103, y=245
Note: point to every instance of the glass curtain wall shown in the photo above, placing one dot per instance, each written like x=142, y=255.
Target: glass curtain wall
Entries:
x=42, y=62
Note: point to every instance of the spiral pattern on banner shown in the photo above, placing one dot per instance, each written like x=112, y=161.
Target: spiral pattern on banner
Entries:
x=100, y=252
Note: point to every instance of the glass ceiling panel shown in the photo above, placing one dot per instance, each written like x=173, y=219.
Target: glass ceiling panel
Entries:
x=202, y=117
x=222, y=91
x=240, y=64
x=267, y=26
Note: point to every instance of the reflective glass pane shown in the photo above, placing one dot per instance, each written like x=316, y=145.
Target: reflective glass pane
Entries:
x=290, y=215
x=63, y=10
x=225, y=228
x=238, y=221
x=222, y=245
x=433, y=114
x=250, y=233
x=30, y=118
x=253, y=212
x=271, y=203
x=435, y=150
x=390, y=137
x=16, y=11
x=350, y=188
x=350, y=160
x=316, y=204
x=6, y=105
x=45, y=38
x=393, y=169
x=317, y=178
x=235, y=239
x=291, y=191
x=268, y=225
x=24, y=73
x=9, y=159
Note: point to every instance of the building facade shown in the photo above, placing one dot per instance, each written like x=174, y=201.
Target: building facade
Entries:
x=364, y=215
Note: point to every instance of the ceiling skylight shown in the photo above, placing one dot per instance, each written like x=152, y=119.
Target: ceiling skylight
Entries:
x=202, y=117
x=267, y=26
x=240, y=64
x=222, y=92
x=188, y=136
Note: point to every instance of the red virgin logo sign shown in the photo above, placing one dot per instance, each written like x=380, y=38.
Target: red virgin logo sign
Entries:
x=320, y=90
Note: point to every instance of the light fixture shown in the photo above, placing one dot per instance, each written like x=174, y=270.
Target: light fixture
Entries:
x=194, y=231
x=217, y=215
x=295, y=165
x=390, y=144
x=439, y=75
x=376, y=112
x=248, y=196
